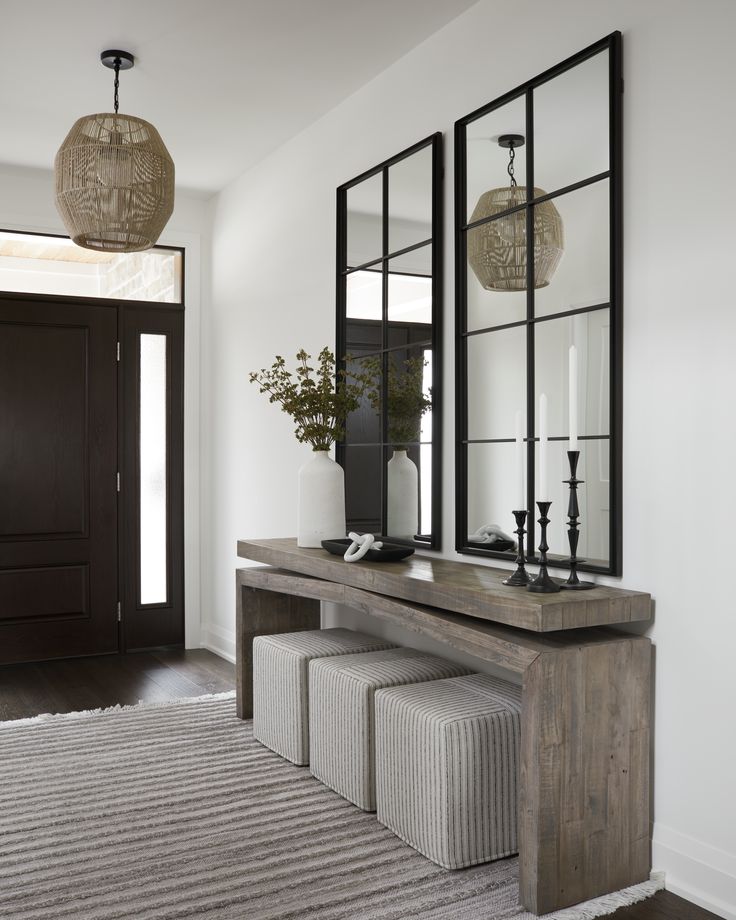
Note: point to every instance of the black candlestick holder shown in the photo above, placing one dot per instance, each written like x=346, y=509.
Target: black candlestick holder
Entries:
x=573, y=583
x=520, y=578
x=543, y=584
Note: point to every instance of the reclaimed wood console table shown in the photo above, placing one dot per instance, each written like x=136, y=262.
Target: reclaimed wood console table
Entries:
x=584, y=800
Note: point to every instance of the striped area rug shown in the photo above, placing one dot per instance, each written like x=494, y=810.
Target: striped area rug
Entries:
x=173, y=811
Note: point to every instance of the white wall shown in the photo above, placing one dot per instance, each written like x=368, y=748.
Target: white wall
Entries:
x=273, y=291
x=27, y=203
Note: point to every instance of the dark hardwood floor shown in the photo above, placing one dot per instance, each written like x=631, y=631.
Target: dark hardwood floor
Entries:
x=664, y=906
x=90, y=683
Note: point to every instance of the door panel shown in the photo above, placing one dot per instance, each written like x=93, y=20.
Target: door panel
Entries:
x=58, y=466
x=50, y=591
x=43, y=379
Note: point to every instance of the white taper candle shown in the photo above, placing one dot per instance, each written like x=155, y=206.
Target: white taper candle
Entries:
x=573, y=398
x=542, y=495
x=520, y=497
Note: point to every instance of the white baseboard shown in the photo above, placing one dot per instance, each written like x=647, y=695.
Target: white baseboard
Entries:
x=220, y=641
x=696, y=871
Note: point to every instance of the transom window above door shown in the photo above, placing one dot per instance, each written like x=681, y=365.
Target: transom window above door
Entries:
x=34, y=264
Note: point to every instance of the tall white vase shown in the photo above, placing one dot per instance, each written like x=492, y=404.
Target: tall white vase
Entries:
x=321, y=513
x=403, y=496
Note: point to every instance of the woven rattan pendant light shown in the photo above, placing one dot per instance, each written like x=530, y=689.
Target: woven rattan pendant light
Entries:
x=497, y=249
x=114, y=177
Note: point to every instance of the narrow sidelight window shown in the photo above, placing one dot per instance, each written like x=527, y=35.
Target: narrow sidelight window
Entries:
x=152, y=451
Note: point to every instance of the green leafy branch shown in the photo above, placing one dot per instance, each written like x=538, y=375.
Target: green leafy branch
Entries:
x=406, y=401
x=319, y=399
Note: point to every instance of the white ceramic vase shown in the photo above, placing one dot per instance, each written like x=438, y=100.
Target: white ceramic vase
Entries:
x=403, y=496
x=321, y=510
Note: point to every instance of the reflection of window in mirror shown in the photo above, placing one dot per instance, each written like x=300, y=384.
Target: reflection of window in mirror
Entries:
x=409, y=298
x=425, y=450
x=388, y=320
x=538, y=271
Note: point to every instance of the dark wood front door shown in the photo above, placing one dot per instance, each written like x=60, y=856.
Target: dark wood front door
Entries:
x=58, y=480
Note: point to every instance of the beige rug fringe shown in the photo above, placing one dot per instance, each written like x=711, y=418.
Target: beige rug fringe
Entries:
x=608, y=903
x=118, y=707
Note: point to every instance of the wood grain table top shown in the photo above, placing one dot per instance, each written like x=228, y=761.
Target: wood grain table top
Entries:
x=462, y=587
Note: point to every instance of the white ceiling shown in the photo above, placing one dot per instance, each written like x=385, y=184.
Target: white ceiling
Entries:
x=224, y=81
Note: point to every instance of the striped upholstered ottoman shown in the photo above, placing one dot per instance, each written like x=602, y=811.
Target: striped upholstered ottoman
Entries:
x=281, y=688
x=341, y=723
x=447, y=767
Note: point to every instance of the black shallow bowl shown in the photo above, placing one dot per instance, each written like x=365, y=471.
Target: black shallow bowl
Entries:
x=391, y=552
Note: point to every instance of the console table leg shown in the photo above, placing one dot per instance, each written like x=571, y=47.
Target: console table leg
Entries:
x=263, y=613
x=584, y=804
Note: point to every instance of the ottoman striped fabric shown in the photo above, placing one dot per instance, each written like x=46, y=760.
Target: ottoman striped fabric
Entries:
x=447, y=767
x=341, y=721
x=280, y=683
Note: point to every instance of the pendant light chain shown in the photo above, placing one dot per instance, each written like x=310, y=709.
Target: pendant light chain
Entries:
x=117, y=83
x=509, y=168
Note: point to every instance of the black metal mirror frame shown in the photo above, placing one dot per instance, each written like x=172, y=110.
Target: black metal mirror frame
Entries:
x=612, y=43
x=434, y=142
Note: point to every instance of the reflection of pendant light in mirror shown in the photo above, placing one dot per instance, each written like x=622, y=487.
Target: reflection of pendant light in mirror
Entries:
x=497, y=249
x=114, y=177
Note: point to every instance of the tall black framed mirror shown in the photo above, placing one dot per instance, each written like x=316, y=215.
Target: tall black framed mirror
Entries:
x=539, y=312
x=389, y=310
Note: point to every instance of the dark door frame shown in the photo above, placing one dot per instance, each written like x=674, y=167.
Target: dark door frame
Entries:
x=135, y=317
x=150, y=625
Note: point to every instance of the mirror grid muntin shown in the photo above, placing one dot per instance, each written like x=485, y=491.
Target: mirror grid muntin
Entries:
x=398, y=335
x=610, y=45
